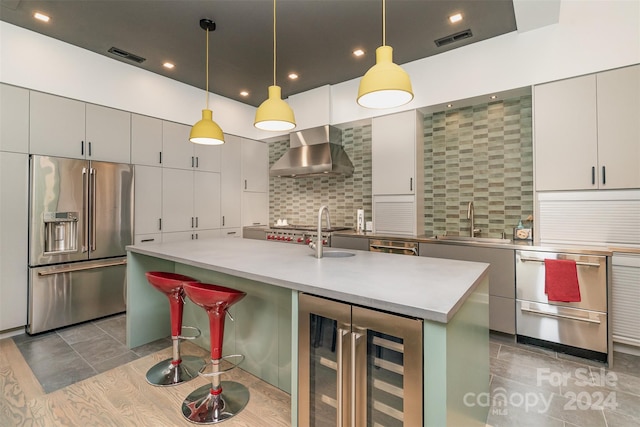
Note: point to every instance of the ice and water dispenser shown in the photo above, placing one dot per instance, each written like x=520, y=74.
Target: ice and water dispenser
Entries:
x=60, y=232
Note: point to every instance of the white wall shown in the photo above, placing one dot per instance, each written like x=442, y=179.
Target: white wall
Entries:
x=590, y=36
x=31, y=60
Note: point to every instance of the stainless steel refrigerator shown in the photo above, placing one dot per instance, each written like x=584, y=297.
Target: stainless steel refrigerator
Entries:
x=81, y=219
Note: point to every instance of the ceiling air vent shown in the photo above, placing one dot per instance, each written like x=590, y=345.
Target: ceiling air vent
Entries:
x=126, y=55
x=453, y=38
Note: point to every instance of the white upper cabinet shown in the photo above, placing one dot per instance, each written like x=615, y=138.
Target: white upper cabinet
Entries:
x=395, y=142
x=230, y=187
x=255, y=166
x=178, y=152
x=587, y=133
x=255, y=208
x=146, y=140
x=108, y=133
x=619, y=128
x=14, y=119
x=57, y=126
x=69, y=128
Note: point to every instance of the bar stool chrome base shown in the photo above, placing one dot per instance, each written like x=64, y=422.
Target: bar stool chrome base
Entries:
x=166, y=373
x=203, y=407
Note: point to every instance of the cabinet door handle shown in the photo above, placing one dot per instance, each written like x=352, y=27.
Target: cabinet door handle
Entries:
x=197, y=161
x=82, y=148
x=223, y=220
x=192, y=161
x=160, y=224
x=196, y=222
x=146, y=240
x=191, y=222
x=410, y=184
x=245, y=184
x=230, y=233
x=604, y=175
x=160, y=157
x=593, y=175
x=339, y=374
x=89, y=148
x=356, y=377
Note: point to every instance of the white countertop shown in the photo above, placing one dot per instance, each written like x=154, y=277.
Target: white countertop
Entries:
x=421, y=287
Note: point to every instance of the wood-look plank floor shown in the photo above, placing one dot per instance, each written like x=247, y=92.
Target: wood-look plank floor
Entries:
x=121, y=397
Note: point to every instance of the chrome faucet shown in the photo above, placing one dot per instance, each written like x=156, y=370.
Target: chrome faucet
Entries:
x=318, y=244
x=471, y=216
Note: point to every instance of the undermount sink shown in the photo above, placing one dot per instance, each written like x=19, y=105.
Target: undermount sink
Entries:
x=336, y=254
x=470, y=239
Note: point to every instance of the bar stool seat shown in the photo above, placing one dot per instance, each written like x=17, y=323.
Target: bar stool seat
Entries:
x=220, y=400
x=178, y=369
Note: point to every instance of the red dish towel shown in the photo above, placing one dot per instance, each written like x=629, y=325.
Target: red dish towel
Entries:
x=561, y=280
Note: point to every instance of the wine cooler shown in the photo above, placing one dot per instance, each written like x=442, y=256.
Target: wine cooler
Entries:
x=357, y=366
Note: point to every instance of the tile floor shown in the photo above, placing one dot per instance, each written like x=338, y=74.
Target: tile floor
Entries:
x=81, y=351
x=530, y=386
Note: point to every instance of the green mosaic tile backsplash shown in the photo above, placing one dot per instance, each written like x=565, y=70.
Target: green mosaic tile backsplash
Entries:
x=298, y=199
x=481, y=153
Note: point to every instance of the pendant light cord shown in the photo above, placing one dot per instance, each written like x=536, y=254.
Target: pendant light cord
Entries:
x=206, y=68
x=384, y=23
x=274, y=42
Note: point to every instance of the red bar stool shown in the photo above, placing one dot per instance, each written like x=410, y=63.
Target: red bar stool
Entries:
x=220, y=400
x=177, y=369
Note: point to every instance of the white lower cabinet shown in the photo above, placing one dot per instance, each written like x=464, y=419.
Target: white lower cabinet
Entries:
x=143, y=239
x=14, y=191
x=190, y=201
x=625, y=289
x=148, y=200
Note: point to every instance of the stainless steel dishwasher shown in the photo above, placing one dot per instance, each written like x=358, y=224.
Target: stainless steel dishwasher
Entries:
x=579, y=328
x=393, y=247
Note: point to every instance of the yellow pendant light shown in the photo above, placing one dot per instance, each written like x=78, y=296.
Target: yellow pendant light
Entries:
x=274, y=114
x=385, y=85
x=206, y=131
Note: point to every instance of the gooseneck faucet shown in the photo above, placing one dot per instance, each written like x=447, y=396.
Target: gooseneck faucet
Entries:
x=318, y=243
x=471, y=217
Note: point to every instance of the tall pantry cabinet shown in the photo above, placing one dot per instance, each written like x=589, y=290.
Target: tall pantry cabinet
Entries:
x=14, y=193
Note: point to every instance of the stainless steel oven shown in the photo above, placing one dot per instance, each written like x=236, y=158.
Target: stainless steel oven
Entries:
x=579, y=328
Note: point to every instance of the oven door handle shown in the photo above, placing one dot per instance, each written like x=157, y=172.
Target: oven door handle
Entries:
x=563, y=316
x=401, y=248
x=586, y=264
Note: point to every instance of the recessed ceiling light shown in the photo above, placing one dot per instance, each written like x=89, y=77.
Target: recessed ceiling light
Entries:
x=493, y=96
x=168, y=65
x=449, y=105
x=244, y=93
x=293, y=76
x=41, y=16
x=455, y=18
x=358, y=52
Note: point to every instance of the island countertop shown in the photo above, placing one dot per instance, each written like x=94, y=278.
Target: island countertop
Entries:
x=427, y=288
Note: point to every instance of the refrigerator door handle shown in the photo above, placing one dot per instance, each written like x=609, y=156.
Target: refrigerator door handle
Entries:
x=340, y=356
x=93, y=209
x=73, y=268
x=85, y=210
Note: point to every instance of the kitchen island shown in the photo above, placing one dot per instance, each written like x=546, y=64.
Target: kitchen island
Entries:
x=451, y=298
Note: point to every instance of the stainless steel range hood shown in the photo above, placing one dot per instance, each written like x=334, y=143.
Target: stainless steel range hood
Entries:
x=314, y=152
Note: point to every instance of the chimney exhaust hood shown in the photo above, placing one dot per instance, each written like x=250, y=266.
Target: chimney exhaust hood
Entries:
x=314, y=152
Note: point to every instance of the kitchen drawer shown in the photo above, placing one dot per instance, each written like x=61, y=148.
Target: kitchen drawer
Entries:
x=563, y=325
x=345, y=242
